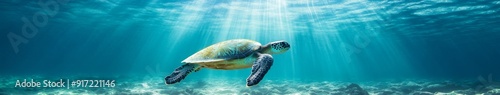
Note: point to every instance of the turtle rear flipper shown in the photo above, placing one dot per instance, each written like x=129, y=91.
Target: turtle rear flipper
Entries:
x=259, y=69
x=180, y=73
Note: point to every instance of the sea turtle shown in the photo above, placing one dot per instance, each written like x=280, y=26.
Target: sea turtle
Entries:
x=230, y=55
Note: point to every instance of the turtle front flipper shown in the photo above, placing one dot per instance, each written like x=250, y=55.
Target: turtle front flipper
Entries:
x=180, y=73
x=259, y=69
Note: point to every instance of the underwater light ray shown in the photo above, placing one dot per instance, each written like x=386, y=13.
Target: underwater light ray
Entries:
x=404, y=61
x=189, y=17
x=310, y=10
x=346, y=64
x=292, y=40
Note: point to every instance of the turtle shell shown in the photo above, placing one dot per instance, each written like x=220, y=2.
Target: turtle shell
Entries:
x=231, y=49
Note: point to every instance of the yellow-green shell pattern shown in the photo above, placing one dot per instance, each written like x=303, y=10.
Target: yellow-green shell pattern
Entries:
x=224, y=51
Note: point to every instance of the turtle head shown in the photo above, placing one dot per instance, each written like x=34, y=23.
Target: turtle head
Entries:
x=276, y=47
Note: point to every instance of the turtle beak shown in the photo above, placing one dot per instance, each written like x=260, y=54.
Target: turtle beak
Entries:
x=285, y=45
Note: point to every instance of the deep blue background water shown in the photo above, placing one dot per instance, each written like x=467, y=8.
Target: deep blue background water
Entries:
x=330, y=40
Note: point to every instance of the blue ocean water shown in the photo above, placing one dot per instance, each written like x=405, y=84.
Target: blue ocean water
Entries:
x=333, y=43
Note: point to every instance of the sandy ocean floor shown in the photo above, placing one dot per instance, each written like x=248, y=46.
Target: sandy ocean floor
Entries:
x=155, y=86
